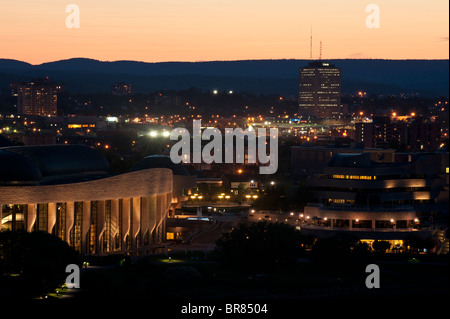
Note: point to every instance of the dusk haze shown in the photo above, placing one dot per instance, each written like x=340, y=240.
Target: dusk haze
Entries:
x=205, y=30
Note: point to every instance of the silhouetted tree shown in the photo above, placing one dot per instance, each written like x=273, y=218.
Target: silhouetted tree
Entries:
x=38, y=259
x=274, y=198
x=340, y=254
x=301, y=196
x=381, y=246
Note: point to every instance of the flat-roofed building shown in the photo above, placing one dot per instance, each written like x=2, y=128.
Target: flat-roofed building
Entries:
x=309, y=159
x=380, y=200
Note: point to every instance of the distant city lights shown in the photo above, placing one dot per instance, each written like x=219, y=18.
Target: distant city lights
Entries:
x=112, y=119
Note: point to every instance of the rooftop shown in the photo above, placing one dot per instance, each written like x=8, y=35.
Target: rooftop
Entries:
x=160, y=161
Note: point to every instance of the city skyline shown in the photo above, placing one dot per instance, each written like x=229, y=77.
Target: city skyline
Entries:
x=198, y=30
x=197, y=155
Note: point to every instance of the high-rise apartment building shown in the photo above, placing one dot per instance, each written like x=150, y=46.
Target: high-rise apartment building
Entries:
x=38, y=97
x=418, y=134
x=320, y=90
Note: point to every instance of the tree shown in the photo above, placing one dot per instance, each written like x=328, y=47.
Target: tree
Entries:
x=273, y=198
x=241, y=192
x=208, y=191
x=260, y=247
x=39, y=259
x=340, y=253
x=301, y=196
x=381, y=246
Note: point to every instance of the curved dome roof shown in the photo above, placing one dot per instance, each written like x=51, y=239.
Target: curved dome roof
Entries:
x=55, y=161
x=160, y=161
x=17, y=168
x=4, y=141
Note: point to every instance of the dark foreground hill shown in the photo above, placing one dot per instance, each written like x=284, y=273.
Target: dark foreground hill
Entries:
x=426, y=77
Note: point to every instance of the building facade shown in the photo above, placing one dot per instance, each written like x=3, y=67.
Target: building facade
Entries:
x=389, y=201
x=320, y=90
x=38, y=97
x=67, y=191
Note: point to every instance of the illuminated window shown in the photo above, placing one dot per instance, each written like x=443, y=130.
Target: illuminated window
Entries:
x=170, y=236
x=341, y=201
x=354, y=177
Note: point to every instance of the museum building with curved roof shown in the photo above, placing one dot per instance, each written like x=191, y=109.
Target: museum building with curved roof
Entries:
x=67, y=190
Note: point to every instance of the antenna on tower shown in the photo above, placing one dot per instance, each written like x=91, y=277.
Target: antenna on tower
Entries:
x=311, y=46
x=320, y=56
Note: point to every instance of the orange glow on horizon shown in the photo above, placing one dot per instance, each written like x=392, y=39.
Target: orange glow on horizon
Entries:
x=204, y=30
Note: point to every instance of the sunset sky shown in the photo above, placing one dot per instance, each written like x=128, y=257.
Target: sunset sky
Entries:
x=207, y=30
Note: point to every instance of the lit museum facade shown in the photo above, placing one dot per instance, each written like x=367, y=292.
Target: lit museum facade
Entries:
x=66, y=190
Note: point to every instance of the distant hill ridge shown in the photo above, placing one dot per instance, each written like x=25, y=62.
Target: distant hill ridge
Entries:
x=427, y=77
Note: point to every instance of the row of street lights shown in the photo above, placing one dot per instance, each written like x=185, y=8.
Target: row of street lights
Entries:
x=222, y=196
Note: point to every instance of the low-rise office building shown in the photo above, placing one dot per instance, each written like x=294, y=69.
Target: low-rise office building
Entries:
x=389, y=201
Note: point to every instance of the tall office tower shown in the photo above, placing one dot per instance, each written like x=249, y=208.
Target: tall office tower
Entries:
x=38, y=97
x=320, y=90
